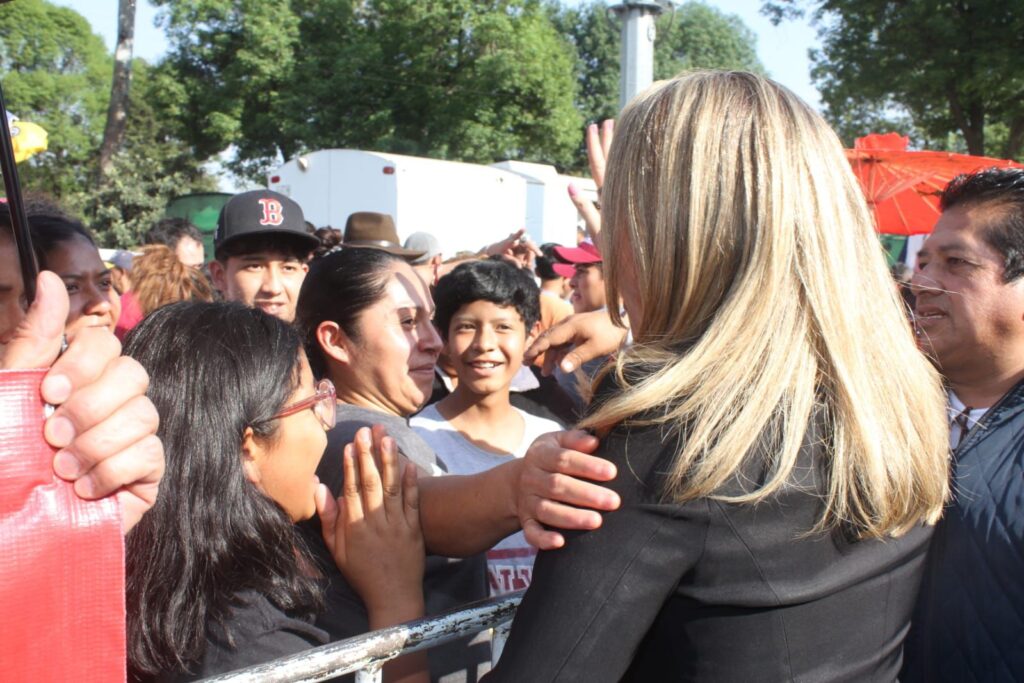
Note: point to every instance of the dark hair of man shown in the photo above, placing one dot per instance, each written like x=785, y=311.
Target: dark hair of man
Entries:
x=330, y=238
x=39, y=203
x=338, y=288
x=170, y=231
x=544, y=263
x=495, y=280
x=50, y=230
x=215, y=369
x=291, y=246
x=1002, y=189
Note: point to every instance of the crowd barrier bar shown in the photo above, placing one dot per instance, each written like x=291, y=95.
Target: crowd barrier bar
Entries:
x=364, y=655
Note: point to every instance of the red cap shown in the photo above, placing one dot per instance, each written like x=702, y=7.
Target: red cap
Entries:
x=585, y=253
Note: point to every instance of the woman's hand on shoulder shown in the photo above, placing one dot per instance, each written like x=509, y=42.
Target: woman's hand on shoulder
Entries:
x=373, y=529
x=555, y=487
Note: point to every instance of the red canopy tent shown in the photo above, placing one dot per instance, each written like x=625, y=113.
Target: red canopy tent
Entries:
x=903, y=187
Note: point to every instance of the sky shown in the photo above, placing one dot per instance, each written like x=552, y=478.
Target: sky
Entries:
x=782, y=49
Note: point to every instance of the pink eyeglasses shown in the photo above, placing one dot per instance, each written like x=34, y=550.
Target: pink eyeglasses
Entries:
x=323, y=403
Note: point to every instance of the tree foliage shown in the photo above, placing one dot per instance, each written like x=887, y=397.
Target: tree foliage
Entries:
x=57, y=73
x=152, y=166
x=473, y=81
x=120, y=89
x=233, y=60
x=951, y=66
x=467, y=80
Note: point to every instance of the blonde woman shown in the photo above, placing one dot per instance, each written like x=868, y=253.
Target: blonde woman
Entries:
x=780, y=442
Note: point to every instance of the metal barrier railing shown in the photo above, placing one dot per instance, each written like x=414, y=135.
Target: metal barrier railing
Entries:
x=364, y=655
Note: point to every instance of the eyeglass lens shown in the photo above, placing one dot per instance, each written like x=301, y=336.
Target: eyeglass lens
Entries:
x=325, y=408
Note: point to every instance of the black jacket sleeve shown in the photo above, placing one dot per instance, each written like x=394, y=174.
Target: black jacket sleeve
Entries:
x=591, y=603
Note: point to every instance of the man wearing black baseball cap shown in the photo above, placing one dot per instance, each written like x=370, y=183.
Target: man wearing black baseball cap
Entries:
x=261, y=251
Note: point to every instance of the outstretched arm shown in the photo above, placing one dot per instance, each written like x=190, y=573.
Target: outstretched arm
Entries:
x=599, y=142
x=552, y=486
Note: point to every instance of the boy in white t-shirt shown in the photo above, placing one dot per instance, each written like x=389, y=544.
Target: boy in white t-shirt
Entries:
x=487, y=312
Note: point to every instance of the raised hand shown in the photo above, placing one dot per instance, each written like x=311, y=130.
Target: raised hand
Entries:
x=104, y=425
x=373, y=529
x=575, y=340
x=599, y=142
x=517, y=247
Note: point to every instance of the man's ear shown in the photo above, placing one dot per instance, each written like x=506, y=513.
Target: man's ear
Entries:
x=334, y=342
x=253, y=454
x=219, y=276
x=532, y=334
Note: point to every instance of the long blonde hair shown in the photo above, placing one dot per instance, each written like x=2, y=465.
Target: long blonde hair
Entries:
x=729, y=204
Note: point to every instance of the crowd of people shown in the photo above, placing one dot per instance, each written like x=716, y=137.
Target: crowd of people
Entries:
x=736, y=458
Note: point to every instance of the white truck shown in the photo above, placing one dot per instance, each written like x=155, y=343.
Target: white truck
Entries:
x=465, y=206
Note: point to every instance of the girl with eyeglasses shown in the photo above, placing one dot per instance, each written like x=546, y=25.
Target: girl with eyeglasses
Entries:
x=217, y=576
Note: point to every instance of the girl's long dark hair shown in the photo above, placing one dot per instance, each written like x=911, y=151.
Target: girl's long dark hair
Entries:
x=215, y=369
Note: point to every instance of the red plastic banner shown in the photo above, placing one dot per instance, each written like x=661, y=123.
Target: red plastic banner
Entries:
x=62, y=615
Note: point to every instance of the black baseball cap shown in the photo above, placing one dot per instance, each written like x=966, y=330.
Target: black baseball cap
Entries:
x=261, y=212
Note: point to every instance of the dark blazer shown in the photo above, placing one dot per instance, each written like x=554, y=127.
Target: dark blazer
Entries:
x=969, y=620
x=709, y=591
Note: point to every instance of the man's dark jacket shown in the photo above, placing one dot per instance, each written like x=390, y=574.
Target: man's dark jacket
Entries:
x=969, y=621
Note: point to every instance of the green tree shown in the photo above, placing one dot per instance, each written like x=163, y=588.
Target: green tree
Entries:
x=151, y=167
x=56, y=73
x=120, y=89
x=233, y=60
x=951, y=66
x=696, y=36
x=465, y=80
x=596, y=40
x=693, y=36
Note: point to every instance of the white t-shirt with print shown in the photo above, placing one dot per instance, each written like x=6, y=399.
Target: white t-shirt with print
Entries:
x=510, y=562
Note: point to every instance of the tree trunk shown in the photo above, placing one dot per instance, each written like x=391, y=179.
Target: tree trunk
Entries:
x=1015, y=140
x=970, y=120
x=117, y=112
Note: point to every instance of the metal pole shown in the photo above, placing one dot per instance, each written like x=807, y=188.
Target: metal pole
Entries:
x=499, y=636
x=636, y=60
x=22, y=237
x=366, y=653
x=371, y=674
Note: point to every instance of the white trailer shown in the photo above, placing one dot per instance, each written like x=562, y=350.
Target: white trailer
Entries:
x=465, y=206
x=550, y=215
